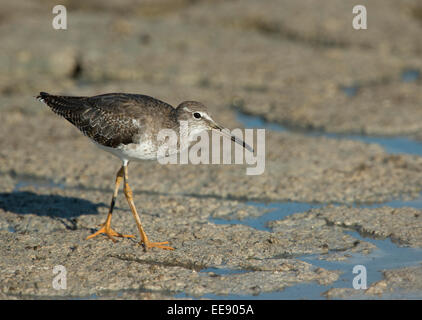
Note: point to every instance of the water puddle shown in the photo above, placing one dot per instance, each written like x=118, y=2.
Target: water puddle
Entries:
x=392, y=145
x=350, y=91
x=410, y=75
x=278, y=211
x=36, y=182
x=387, y=255
x=407, y=75
x=223, y=271
x=415, y=203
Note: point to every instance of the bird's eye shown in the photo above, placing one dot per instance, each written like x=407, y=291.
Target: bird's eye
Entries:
x=197, y=115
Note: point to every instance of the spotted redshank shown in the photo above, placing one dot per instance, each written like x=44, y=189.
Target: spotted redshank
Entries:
x=127, y=126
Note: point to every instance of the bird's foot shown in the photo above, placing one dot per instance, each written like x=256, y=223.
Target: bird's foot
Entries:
x=162, y=245
x=110, y=233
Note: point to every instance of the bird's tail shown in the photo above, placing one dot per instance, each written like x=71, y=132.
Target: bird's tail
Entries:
x=41, y=96
x=62, y=105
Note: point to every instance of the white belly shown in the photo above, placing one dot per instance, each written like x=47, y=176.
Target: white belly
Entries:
x=130, y=152
x=145, y=149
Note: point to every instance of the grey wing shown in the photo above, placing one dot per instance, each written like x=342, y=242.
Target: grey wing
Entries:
x=107, y=119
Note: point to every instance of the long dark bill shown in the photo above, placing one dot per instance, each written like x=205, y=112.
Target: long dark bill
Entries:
x=224, y=132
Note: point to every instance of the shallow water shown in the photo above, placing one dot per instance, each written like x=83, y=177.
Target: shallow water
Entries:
x=392, y=145
x=36, y=182
x=410, y=75
x=278, y=211
x=387, y=255
x=222, y=271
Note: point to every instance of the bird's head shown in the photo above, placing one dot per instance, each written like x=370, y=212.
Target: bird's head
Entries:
x=196, y=115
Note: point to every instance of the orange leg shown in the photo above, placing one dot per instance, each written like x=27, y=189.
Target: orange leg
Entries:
x=144, y=239
x=106, y=228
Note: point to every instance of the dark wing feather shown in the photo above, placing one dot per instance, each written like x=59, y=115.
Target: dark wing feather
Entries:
x=107, y=119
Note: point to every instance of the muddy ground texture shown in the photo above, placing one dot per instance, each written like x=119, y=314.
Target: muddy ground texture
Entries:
x=289, y=63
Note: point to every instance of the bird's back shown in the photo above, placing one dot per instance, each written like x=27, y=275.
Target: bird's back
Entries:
x=112, y=119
